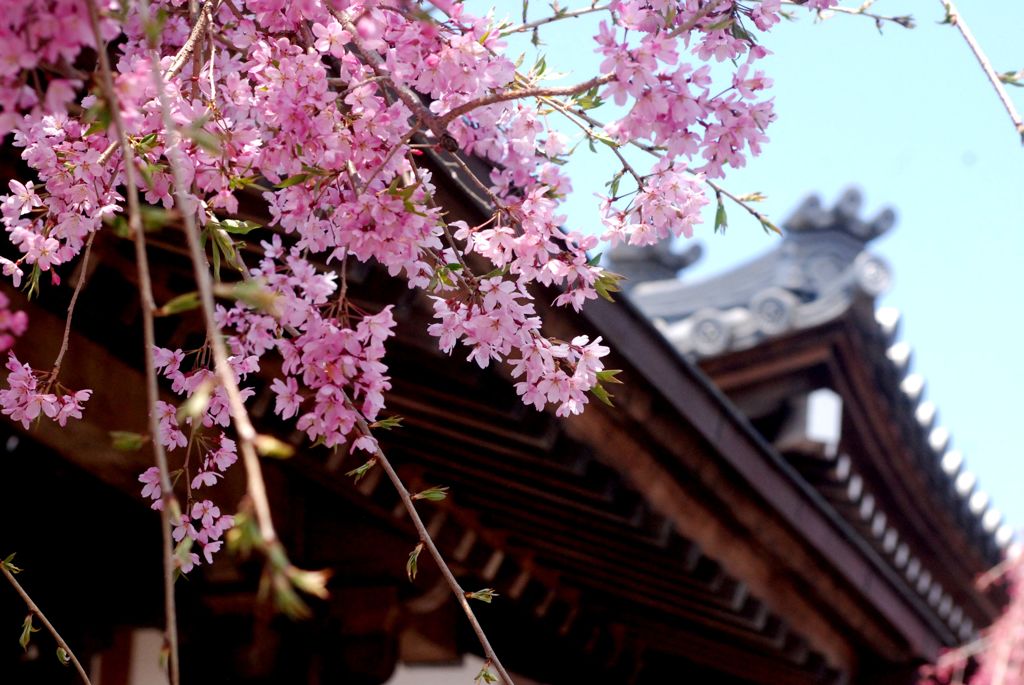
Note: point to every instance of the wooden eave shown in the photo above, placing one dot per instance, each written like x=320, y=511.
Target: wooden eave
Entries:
x=666, y=526
x=892, y=456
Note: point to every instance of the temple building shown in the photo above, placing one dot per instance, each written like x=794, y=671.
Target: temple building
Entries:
x=770, y=501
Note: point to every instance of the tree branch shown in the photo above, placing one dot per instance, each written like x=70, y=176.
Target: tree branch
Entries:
x=246, y=434
x=568, y=14
x=407, y=95
x=953, y=17
x=38, y=613
x=704, y=11
x=204, y=19
x=71, y=309
x=170, y=505
x=457, y=112
x=428, y=542
x=184, y=52
x=906, y=21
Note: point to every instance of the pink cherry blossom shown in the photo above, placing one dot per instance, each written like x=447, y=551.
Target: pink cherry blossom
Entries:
x=316, y=114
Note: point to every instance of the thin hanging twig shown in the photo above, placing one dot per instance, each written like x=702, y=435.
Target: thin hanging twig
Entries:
x=953, y=17
x=84, y=266
x=222, y=368
x=38, y=613
x=170, y=505
x=428, y=543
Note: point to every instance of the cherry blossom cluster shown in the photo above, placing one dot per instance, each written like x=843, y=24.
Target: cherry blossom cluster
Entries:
x=674, y=105
x=667, y=204
x=332, y=355
x=321, y=116
x=212, y=526
x=204, y=525
x=28, y=396
x=202, y=414
x=43, y=36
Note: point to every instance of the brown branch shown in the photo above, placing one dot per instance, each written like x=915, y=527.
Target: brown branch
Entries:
x=569, y=14
x=428, y=542
x=407, y=95
x=170, y=505
x=765, y=221
x=704, y=11
x=438, y=125
x=457, y=112
x=243, y=426
x=589, y=132
x=194, y=36
x=653, y=151
x=180, y=58
x=954, y=18
x=38, y=613
x=71, y=308
x=906, y=21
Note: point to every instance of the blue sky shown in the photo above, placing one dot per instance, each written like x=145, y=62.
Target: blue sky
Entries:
x=909, y=118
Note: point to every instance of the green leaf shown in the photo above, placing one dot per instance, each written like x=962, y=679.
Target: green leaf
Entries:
x=181, y=303
x=494, y=273
x=155, y=26
x=244, y=536
x=269, y=446
x=311, y=582
x=718, y=26
x=252, y=293
x=145, y=143
x=485, y=595
x=588, y=100
x=99, y=118
x=242, y=182
x=198, y=401
x=119, y=225
x=434, y=494
x=739, y=32
x=608, y=283
x=216, y=252
x=237, y=226
x=388, y=423
x=32, y=287
x=670, y=15
x=412, y=563
x=228, y=249
x=203, y=138
x=358, y=473
x=8, y=564
x=603, y=138
x=601, y=394
x=768, y=226
x=26, y=632
x=1013, y=78
x=126, y=441
x=540, y=66
x=154, y=218
x=613, y=185
x=293, y=180
x=485, y=676
x=721, y=220
x=286, y=599
x=609, y=376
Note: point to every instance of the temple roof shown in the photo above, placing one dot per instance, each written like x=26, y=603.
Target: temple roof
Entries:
x=813, y=275
x=818, y=286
